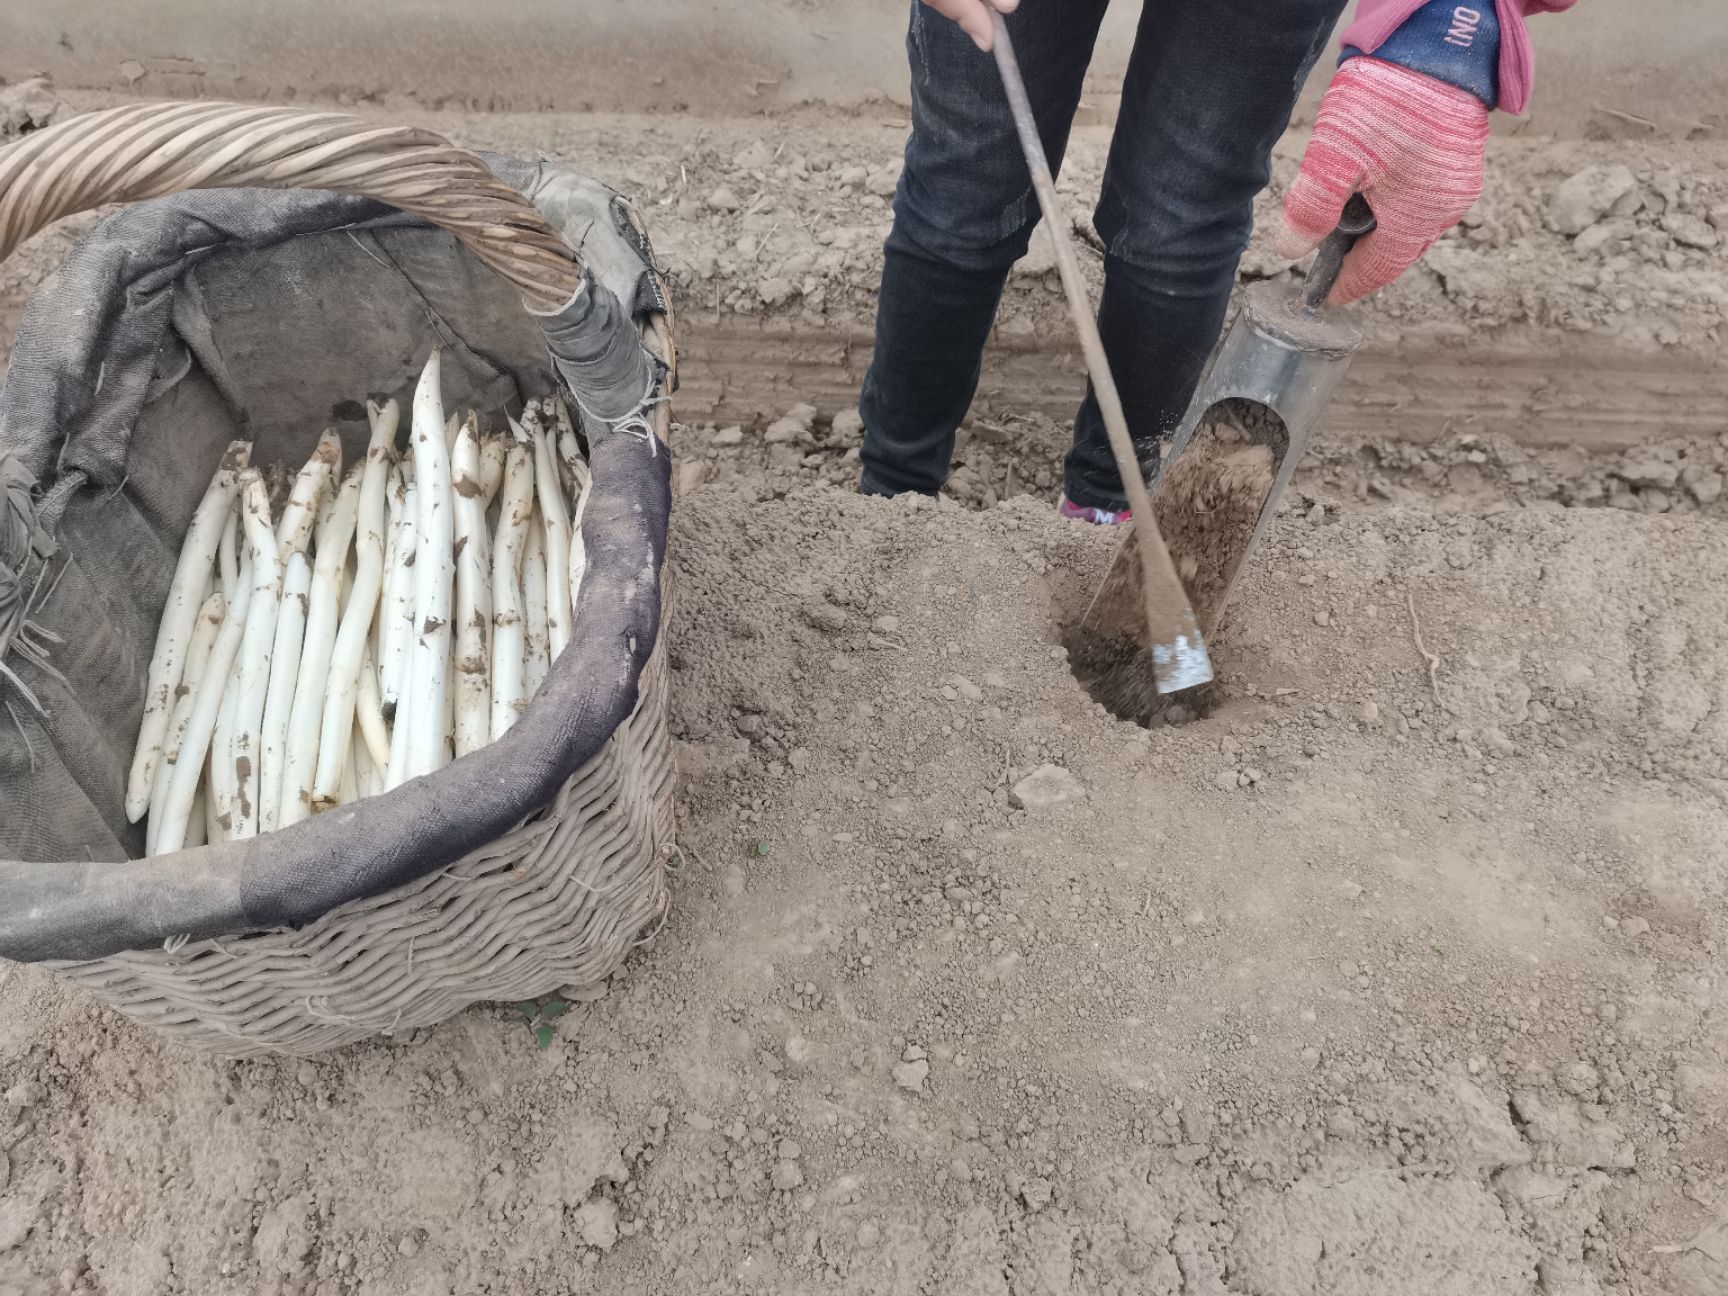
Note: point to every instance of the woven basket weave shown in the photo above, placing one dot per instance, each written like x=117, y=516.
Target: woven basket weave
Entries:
x=560, y=900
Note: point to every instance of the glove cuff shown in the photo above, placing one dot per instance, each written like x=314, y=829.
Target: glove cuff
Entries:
x=1458, y=44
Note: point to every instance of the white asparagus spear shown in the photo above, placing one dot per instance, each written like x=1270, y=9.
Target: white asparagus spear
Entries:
x=578, y=480
x=205, y=803
x=224, y=782
x=321, y=514
x=279, y=701
x=396, y=771
x=571, y=461
x=369, y=713
x=179, y=615
x=536, y=655
x=348, y=790
x=492, y=453
x=569, y=451
x=578, y=547
x=348, y=657
x=473, y=597
x=396, y=632
x=322, y=612
x=207, y=702
x=204, y=634
x=448, y=737
x=434, y=579
x=294, y=530
x=584, y=485
x=228, y=551
x=509, y=632
x=564, y=441
x=555, y=523
x=253, y=676
x=224, y=785
x=396, y=625
x=488, y=492
x=344, y=584
x=367, y=781
x=198, y=822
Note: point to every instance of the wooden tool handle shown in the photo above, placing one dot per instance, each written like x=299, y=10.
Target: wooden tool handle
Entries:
x=1179, y=655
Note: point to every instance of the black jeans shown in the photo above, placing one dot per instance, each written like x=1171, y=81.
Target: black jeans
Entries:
x=1209, y=90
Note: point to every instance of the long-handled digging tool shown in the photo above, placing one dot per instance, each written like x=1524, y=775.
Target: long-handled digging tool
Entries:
x=1178, y=650
x=1271, y=379
x=1229, y=461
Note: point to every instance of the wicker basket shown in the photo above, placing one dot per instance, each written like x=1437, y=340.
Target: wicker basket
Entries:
x=558, y=901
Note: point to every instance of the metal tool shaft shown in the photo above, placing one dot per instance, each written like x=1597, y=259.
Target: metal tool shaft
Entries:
x=1356, y=223
x=1179, y=656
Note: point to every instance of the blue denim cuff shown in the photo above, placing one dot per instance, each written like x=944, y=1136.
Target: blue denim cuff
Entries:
x=1451, y=42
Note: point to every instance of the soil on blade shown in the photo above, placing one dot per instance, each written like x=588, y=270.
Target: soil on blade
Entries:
x=1208, y=502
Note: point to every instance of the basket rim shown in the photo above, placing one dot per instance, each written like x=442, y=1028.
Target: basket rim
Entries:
x=148, y=150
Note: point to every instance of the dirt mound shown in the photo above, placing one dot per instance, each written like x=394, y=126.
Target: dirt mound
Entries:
x=1396, y=972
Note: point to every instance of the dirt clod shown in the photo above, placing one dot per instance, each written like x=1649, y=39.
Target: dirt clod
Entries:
x=911, y=1075
x=1045, y=788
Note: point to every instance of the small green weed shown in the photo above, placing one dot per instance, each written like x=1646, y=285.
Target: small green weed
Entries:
x=539, y=1016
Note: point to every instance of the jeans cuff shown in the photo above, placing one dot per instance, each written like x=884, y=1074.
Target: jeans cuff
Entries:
x=868, y=485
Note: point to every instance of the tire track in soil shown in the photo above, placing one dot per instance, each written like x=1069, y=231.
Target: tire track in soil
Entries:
x=1587, y=394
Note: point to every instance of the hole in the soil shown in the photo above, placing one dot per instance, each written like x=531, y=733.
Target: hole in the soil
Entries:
x=1210, y=502
x=1116, y=672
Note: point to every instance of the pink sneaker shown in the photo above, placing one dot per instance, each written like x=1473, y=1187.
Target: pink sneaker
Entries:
x=1096, y=516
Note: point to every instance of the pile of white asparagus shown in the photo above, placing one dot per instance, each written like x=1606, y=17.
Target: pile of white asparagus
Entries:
x=391, y=619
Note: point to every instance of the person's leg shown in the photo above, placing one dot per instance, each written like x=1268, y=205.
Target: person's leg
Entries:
x=963, y=215
x=1209, y=90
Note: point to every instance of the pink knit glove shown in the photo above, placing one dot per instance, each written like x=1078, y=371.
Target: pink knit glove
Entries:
x=1415, y=146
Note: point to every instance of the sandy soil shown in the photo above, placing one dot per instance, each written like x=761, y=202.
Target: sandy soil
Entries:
x=1655, y=67
x=771, y=229
x=1397, y=970
x=1393, y=973
x=783, y=216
